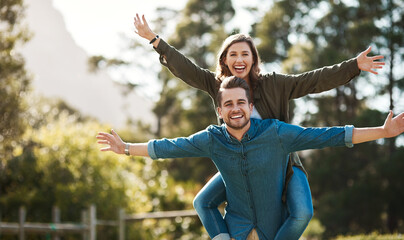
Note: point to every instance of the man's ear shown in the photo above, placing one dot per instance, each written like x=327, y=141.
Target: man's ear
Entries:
x=251, y=107
x=219, y=111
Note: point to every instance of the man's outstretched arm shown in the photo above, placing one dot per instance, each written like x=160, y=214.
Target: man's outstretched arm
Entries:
x=196, y=145
x=116, y=144
x=392, y=127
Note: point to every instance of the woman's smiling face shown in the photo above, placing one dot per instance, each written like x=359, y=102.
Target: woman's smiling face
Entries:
x=239, y=60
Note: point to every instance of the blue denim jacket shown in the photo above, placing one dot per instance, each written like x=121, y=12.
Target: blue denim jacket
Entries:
x=254, y=168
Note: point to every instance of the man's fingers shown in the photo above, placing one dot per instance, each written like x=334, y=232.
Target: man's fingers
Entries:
x=105, y=149
x=104, y=135
x=104, y=142
x=114, y=133
x=101, y=136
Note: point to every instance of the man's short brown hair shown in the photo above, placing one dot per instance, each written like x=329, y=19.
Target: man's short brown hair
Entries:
x=233, y=82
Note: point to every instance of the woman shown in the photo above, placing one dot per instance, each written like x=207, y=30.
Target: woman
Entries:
x=271, y=94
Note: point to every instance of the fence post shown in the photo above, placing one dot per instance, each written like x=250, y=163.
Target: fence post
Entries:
x=22, y=215
x=55, y=219
x=93, y=223
x=121, y=224
x=85, y=222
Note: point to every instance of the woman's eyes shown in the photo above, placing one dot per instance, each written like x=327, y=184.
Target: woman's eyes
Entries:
x=234, y=55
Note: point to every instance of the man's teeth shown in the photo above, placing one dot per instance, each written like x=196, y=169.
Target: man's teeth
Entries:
x=237, y=116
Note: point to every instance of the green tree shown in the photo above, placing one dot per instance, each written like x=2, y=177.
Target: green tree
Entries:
x=343, y=30
x=391, y=41
x=14, y=81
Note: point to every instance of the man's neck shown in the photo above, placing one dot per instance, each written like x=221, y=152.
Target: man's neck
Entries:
x=238, y=133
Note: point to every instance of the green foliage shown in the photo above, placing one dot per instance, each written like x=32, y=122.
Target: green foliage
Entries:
x=14, y=82
x=349, y=187
x=199, y=22
x=273, y=31
x=98, y=62
x=314, y=230
x=59, y=164
x=373, y=236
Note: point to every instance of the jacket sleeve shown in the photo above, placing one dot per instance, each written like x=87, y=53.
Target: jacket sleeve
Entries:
x=319, y=80
x=196, y=145
x=295, y=138
x=186, y=70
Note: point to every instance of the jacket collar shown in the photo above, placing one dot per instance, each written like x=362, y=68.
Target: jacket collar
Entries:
x=251, y=132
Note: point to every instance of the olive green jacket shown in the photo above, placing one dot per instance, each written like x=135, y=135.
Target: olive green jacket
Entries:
x=273, y=91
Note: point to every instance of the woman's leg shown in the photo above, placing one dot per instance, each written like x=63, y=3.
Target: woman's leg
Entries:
x=300, y=207
x=206, y=204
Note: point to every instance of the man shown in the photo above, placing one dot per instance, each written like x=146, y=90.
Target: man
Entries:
x=251, y=155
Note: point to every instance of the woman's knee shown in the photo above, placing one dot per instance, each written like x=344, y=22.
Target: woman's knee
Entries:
x=304, y=212
x=204, y=201
x=200, y=202
x=211, y=195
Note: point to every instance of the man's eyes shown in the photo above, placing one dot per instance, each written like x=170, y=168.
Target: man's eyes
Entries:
x=239, y=103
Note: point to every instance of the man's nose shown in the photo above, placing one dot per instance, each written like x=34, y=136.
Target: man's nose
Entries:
x=236, y=107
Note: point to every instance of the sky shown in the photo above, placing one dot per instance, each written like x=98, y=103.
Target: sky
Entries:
x=105, y=27
x=107, y=19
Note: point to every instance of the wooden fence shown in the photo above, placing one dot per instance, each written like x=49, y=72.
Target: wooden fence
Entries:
x=88, y=225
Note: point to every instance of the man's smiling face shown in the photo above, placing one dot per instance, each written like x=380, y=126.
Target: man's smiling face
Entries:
x=235, y=109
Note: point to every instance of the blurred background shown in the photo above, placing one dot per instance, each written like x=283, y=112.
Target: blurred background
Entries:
x=69, y=69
